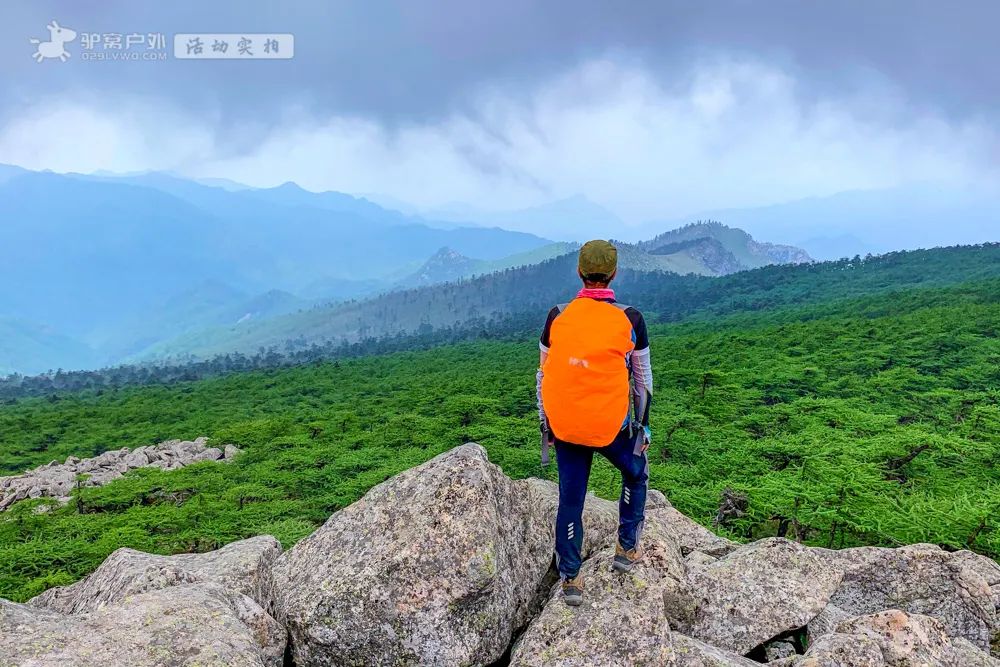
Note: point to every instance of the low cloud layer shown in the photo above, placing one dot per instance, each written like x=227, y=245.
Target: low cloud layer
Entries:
x=731, y=132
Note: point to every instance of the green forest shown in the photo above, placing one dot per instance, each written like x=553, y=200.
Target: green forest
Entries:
x=843, y=417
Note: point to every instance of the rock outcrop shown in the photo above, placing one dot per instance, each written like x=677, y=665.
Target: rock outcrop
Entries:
x=439, y=565
x=894, y=639
x=450, y=563
x=199, y=624
x=918, y=579
x=146, y=610
x=243, y=567
x=622, y=621
x=57, y=480
x=758, y=592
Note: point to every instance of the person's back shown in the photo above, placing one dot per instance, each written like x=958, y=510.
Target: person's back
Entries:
x=594, y=366
x=585, y=379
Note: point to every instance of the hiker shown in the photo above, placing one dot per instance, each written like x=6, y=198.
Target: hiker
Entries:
x=594, y=386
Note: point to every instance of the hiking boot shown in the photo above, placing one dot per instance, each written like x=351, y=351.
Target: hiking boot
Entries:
x=624, y=560
x=573, y=590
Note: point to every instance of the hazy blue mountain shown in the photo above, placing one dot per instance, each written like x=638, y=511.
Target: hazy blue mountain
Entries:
x=448, y=265
x=29, y=348
x=863, y=221
x=9, y=171
x=329, y=288
x=290, y=215
x=94, y=257
x=75, y=253
x=207, y=304
x=224, y=183
x=290, y=194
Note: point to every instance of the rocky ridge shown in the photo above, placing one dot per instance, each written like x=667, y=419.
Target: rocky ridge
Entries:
x=57, y=480
x=449, y=563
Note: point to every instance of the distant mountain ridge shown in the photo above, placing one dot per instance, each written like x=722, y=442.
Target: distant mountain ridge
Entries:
x=114, y=268
x=91, y=258
x=704, y=248
x=448, y=265
x=858, y=222
x=527, y=292
x=743, y=251
x=456, y=297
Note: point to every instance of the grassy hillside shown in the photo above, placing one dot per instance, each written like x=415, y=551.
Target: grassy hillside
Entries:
x=873, y=420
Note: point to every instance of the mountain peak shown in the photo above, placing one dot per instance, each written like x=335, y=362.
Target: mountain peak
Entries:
x=447, y=253
x=720, y=249
x=445, y=265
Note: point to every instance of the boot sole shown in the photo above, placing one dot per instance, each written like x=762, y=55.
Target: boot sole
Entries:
x=623, y=568
x=573, y=600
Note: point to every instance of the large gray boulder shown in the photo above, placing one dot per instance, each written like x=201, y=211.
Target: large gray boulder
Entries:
x=199, y=625
x=694, y=538
x=918, y=579
x=894, y=638
x=436, y=566
x=826, y=622
x=989, y=570
x=758, y=592
x=243, y=567
x=622, y=620
x=625, y=619
x=690, y=652
x=837, y=650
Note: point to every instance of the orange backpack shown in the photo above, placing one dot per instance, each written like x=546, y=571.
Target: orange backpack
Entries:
x=585, y=381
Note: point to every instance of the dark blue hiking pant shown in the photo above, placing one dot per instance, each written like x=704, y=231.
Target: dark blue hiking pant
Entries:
x=574, y=471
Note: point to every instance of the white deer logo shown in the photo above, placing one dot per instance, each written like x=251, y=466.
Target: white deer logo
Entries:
x=54, y=48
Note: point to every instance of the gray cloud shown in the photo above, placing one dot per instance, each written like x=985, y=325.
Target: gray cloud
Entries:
x=404, y=60
x=652, y=109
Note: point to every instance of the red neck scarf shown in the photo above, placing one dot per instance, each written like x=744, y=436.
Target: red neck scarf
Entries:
x=596, y=293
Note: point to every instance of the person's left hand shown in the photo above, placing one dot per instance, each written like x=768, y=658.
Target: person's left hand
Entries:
x=647, y=437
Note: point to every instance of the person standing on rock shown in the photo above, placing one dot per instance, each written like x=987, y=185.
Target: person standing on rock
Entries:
x=594, y=386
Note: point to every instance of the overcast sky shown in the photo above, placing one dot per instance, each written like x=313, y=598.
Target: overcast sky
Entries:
x=652, y=109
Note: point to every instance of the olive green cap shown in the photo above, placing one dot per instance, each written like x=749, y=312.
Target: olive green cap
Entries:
x=598, y=258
